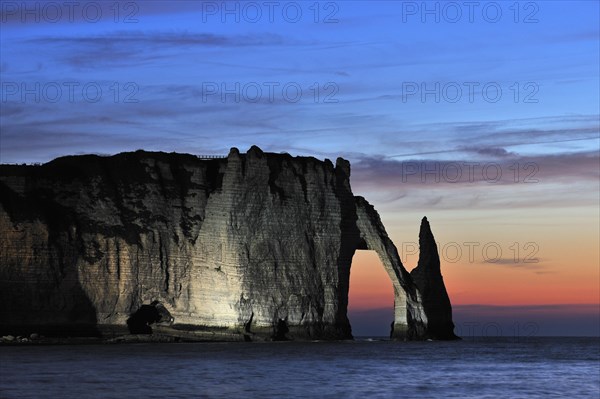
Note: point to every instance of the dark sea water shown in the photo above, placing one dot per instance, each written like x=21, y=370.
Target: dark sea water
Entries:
x=480, y=368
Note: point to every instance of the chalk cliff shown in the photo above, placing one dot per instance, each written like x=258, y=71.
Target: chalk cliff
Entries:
x=251, y=246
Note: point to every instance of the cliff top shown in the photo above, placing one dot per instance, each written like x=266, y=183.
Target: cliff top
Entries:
x=162, y=155
x=88, y=162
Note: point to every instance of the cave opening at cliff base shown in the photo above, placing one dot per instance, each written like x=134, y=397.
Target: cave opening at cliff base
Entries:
x=370, y=296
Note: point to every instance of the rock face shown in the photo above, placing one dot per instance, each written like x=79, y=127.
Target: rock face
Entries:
x=254, y=244
x=428, y=279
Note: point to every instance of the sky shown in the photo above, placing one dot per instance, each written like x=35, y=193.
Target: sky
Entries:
x=482, y=116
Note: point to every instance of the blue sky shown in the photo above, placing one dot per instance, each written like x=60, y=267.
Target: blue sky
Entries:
x=370, y=68
x=384, y=84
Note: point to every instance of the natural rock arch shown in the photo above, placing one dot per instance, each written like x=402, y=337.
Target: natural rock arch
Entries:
x=410, y=320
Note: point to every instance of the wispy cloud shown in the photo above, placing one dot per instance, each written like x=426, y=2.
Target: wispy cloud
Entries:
x=505, y=182
x=511, y=169
x=535, y=265
x=129, y=48
x=163, y=39
x=494, y=152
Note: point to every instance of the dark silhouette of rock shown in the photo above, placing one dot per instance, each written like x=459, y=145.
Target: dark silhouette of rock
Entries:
x=165, y=317
x=140, y=321
x=281, y=329
x=428, y=278
x=225, y=245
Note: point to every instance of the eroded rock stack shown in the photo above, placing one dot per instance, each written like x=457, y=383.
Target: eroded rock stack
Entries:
x=252, y=244
x=427, y=276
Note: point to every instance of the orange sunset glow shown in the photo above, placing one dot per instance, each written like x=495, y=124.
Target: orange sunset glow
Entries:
x=556, y=263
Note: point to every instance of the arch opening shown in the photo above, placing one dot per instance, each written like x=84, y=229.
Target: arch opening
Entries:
x=370, y=297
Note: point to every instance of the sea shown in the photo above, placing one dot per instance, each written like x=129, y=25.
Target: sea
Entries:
x=533, y=367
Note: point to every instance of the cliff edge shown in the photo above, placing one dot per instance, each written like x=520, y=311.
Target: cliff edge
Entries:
x=251, y=246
